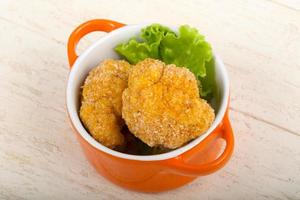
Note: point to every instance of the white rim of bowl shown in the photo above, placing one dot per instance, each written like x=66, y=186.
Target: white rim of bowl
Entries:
x=88, y=138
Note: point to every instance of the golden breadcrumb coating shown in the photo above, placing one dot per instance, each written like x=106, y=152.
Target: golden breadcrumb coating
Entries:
x=161, y=105
x=101, y=106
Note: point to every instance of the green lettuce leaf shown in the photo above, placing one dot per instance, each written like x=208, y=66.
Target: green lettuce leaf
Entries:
x=188, y=49
x=150, y=37
x=135, y=51
x=208, y=88
x=155, y=33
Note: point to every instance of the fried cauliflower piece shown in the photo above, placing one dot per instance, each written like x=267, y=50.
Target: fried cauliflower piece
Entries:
x=101, y=106
x=161, y=105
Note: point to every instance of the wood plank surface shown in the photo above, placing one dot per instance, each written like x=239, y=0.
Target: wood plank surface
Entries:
x=259, y=42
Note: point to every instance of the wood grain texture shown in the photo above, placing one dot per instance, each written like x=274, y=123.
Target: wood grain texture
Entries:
x=258, y=40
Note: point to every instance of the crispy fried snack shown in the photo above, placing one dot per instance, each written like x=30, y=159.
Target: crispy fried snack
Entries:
x=101, y=106
x=161, y=105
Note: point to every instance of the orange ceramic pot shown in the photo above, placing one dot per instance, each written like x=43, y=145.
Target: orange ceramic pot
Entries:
x=204, y=155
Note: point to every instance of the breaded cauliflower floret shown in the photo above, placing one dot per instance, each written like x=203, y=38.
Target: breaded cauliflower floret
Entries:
x=161, y=105
x=101, y=106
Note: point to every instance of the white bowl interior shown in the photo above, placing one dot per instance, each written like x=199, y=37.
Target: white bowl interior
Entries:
x=103, y=49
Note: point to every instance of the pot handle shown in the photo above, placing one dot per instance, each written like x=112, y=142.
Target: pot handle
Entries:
x=178, y=164
x=85, y=28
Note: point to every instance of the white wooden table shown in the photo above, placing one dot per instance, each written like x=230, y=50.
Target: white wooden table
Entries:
x=259, y=40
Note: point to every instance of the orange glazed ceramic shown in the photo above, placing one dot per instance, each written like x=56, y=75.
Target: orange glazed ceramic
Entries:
x=204, y=155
